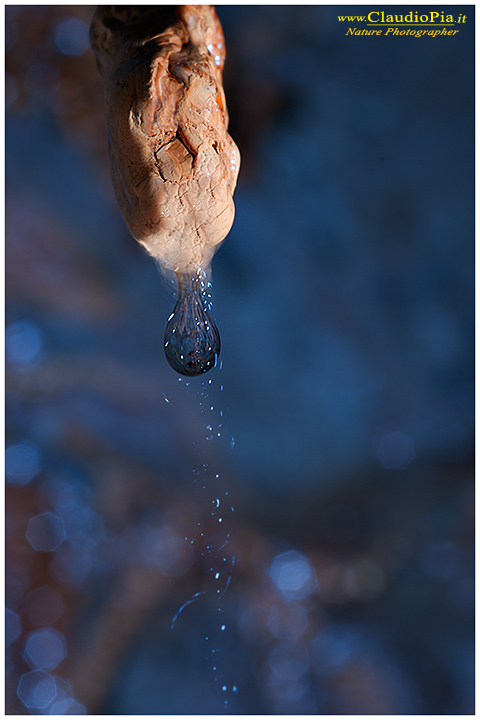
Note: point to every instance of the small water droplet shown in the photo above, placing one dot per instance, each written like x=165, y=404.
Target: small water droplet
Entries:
x=217, y=576
x=224, y=688
x=223, y=627
x=192, y=341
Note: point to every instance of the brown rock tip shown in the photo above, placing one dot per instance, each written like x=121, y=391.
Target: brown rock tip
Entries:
x=173, y=163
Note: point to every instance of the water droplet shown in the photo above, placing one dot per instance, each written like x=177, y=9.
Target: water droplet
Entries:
x=223, y=627
x=217, y=576
x=192, y=341
x=224, y=688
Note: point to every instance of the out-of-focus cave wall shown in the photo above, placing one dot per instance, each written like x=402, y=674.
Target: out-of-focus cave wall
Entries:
x=344, y=297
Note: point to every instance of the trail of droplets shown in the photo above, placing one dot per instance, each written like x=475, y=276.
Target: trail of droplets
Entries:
x=214, y=538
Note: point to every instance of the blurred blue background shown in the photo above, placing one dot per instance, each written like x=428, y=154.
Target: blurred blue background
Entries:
x=344, y=296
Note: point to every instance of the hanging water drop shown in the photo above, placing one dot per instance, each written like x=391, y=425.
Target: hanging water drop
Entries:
x=192, y=341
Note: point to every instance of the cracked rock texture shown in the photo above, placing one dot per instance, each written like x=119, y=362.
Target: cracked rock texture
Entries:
x=173, y=163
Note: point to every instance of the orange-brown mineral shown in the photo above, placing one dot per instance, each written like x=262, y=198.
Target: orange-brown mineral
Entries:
x=174, y=165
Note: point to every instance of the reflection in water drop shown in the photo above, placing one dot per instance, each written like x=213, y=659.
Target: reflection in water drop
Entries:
x=192, y=341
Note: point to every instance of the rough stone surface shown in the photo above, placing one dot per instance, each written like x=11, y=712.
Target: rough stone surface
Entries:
x=173, y=163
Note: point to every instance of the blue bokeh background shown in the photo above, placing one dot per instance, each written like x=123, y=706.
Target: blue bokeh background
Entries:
x=344, y=296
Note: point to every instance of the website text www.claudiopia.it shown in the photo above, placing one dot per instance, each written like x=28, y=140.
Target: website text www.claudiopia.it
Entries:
x=379, y=22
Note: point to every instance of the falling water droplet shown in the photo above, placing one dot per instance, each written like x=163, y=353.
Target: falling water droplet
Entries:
x=192, y=341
